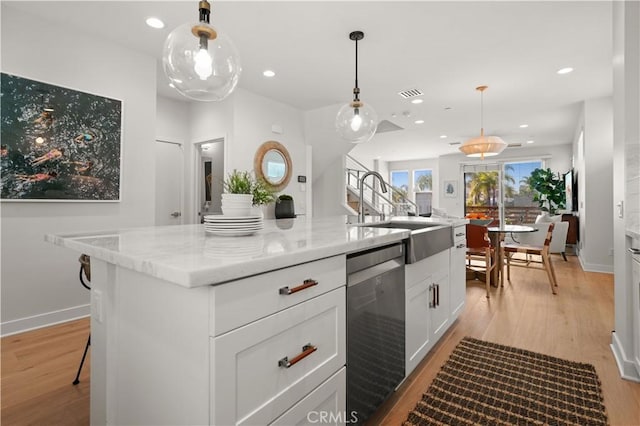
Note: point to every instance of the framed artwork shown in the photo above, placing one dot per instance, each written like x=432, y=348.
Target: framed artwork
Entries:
x=450, y=188
x=58, y=144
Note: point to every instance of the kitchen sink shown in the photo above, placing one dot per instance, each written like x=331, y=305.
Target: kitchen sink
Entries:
x=426, y=239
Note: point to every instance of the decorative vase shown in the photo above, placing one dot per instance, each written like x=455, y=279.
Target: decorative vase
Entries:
x=285, y=209
x=237, y=204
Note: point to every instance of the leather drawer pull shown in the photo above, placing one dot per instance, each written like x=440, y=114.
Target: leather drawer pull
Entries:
x=307, y=350
x=306, y=284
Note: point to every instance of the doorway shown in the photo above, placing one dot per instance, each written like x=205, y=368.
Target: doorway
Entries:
x=210, y=172
x=169, y=183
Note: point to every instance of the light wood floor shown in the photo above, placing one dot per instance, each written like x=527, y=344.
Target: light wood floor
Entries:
x=38, y=367
x=575, y=324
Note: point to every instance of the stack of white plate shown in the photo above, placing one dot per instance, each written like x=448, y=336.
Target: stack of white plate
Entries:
x=232, y=226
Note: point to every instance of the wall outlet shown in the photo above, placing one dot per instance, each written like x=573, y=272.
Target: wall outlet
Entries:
x=97, y=308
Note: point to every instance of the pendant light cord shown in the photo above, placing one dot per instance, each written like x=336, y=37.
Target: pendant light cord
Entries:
x=356, y=90
x=482, y=113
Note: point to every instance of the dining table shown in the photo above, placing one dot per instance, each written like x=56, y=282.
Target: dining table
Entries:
x=496, y=235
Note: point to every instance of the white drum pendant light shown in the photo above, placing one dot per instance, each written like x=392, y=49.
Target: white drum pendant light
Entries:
x=356, y=122
x=483, y=146
x=201, y=62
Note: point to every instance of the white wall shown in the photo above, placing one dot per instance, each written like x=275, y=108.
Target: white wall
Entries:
x=595, y=186
x=40, y=281
x=172, y=120
x=253, y=118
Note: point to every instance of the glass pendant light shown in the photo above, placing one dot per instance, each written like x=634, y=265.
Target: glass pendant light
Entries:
x=201, y=62
x=356, y=121
x=483, y=146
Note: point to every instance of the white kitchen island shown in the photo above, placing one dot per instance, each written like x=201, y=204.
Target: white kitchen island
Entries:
x=189, y=328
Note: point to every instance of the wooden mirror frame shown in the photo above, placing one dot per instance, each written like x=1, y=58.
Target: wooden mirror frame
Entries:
x=259, y=158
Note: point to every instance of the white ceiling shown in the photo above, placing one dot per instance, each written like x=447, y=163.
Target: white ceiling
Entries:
x=445, y=49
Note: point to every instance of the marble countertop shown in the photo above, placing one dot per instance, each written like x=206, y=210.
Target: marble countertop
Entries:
x=188, y=256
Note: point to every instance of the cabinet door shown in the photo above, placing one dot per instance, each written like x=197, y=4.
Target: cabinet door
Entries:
x=457, y=279
x=418, y=323
x=440, y=313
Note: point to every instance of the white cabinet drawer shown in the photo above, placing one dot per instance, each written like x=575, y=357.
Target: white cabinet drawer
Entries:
x=248, y=384
x=242, y=301
x=326, y=405
x=459, y=235
x=417, y=272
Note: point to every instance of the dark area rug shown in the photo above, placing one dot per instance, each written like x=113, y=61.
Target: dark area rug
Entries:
x=490, y=384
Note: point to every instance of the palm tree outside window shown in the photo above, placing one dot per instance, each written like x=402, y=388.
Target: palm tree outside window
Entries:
x=501, y=190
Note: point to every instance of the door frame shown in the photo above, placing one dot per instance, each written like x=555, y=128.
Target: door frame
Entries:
x=196, y=164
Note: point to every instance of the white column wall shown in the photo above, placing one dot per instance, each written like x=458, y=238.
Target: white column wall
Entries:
x=40, y=281
x=626, y=177
x=595, y=196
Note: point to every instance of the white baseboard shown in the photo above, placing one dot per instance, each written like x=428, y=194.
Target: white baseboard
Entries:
x=44, y=320
x=594, y=267
x=626, y=367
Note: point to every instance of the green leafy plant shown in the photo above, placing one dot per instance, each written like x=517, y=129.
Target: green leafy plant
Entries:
x=238, y=183
x=262, y=193
x=548, y=190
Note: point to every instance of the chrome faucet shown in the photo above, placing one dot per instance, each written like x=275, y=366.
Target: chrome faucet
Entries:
x=383, y=186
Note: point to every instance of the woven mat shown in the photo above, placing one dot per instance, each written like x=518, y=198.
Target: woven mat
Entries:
x=487, y=383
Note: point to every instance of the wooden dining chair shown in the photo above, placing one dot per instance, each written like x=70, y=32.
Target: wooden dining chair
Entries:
x=510, y=249
x=480, y=251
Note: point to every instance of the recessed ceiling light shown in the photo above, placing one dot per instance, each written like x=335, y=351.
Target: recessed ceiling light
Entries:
x=172, y=86
x=419, y=121
x=566, y=70
x=443, y=136
x=524, y=126
x=417, y=101
x=155, y=23
x=530, y=141
x=268, y=73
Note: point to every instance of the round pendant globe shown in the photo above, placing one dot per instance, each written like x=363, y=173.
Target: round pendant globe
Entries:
x=356, y=125
x=208, y=73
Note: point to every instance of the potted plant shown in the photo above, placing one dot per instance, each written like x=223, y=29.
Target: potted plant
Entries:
x=285, y=207
x=262, y=193
x=238, y=197
x=548, y=190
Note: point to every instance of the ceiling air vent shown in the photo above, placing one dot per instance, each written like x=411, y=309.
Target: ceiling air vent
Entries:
x=455, y=143
x=514, y=145
x=411, y=93
x=387, y=126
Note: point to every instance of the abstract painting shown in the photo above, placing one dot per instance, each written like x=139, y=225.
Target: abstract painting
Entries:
x=58, y=144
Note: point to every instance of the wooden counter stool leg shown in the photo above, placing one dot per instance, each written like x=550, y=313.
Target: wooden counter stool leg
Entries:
x=487, y=260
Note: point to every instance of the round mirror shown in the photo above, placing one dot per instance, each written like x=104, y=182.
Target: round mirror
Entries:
x=272, y=163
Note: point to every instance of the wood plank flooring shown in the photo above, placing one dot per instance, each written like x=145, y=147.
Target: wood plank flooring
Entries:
x=39, y=366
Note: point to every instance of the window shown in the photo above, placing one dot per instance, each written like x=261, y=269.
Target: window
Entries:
x=400, y=184
x=422, y=181
x=487, y=184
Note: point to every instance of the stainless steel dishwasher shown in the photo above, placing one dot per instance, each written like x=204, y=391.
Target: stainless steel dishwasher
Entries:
x=375, y=327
